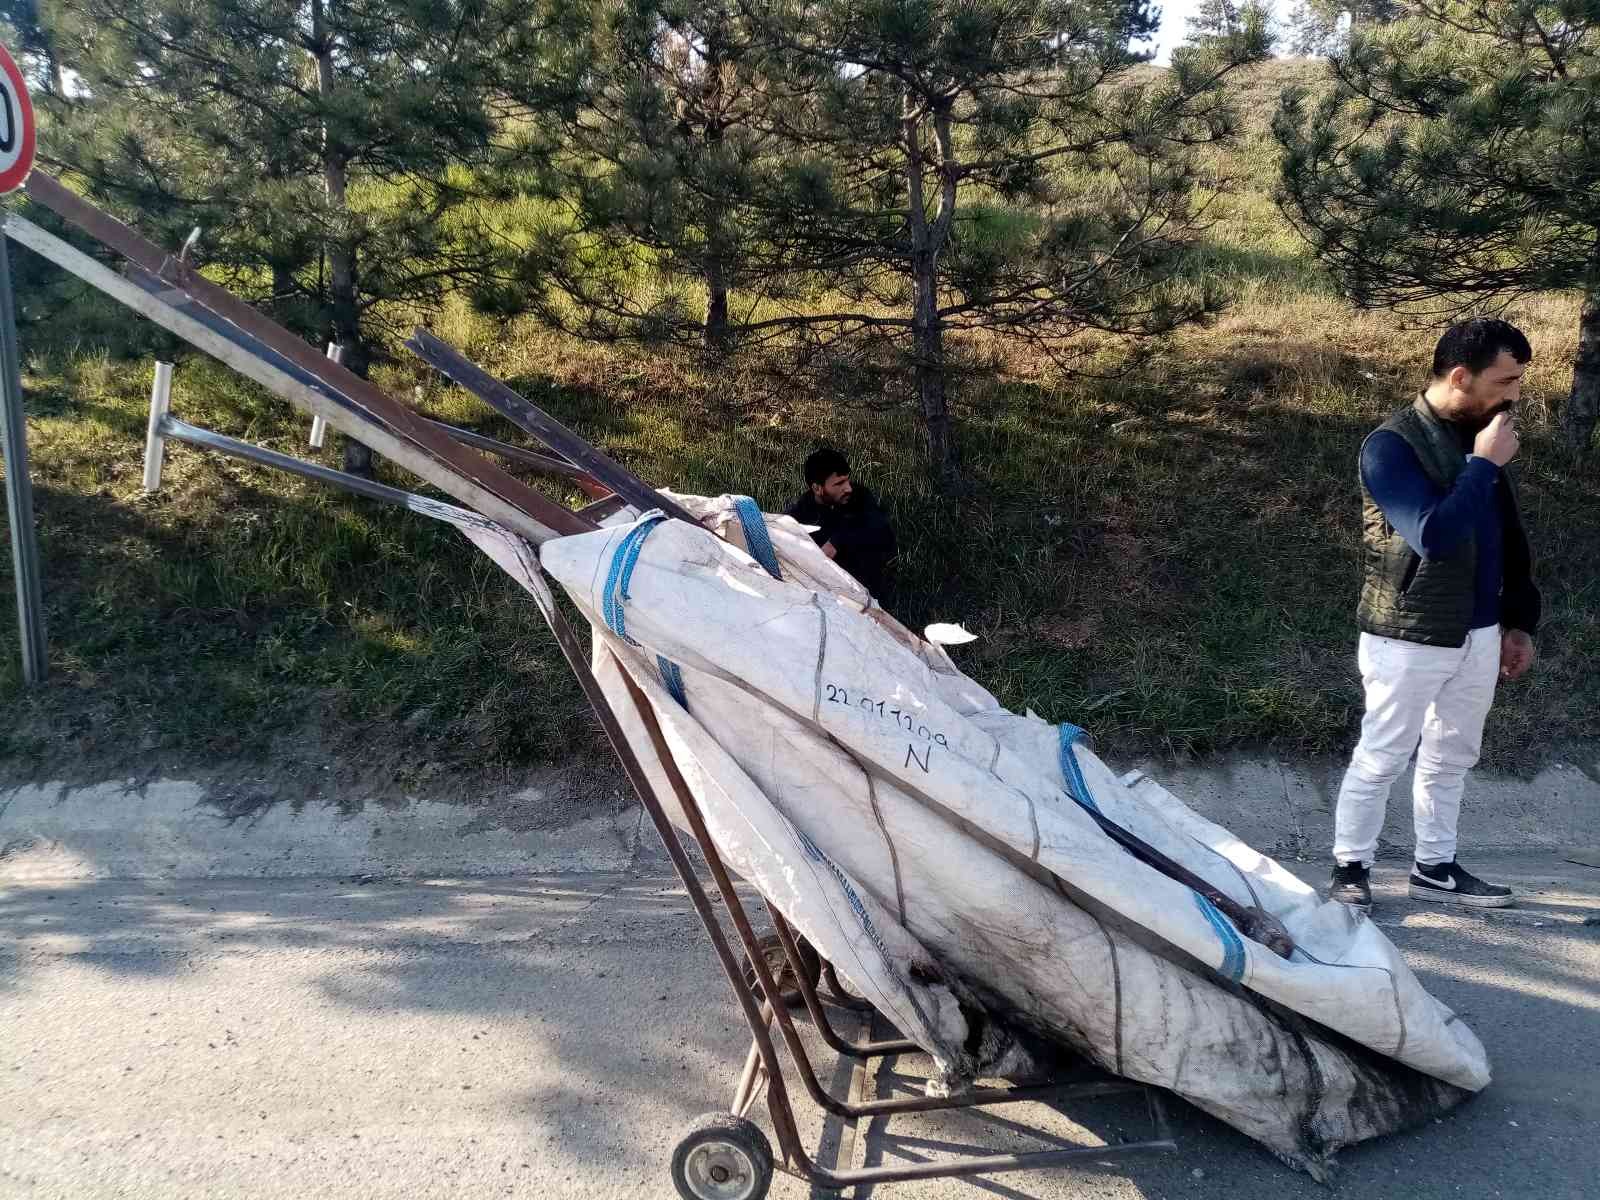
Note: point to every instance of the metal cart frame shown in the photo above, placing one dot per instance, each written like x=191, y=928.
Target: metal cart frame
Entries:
x=725, y=1156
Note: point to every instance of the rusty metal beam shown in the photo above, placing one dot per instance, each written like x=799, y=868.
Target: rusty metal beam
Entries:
x=203, y=329
x=372, y=403
x=448, y=361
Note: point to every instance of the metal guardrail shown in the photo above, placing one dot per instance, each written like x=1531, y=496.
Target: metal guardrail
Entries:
x=165, y=427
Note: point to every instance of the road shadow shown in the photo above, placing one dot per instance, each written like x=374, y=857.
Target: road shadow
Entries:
x=610, y=983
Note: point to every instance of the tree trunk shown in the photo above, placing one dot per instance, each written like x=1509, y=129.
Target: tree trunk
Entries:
x=928, y=339
x=36, y=39
x=927, y=327
x=346, y=308
x=716, y=335
x=283, y=296
x=1582, y=411
x=716, y=265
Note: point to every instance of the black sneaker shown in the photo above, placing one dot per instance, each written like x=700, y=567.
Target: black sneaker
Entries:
x=1350, y=886
x=1451, y=883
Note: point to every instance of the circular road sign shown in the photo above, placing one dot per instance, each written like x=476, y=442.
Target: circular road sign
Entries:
x=16, y=125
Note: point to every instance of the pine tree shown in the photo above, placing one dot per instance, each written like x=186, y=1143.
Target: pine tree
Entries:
x=1213, y=19
x=35, y=45
x=1323, y=27
x=906, y=168
x=965, y=170
x=662, y=159
x=1312, y=30
x=326, y=147
x=1365, y=14
x=1454, y=166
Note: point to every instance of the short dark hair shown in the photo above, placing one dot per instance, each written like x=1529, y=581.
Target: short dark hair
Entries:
x=1475, y=344
x=822, y=465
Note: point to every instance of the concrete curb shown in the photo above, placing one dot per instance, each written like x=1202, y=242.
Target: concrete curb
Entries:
x=170, y=829
x=1286, y=809
x=167, y=829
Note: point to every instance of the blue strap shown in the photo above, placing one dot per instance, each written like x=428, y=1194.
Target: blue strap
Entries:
x=1077, y=788
x=756, y=536
x=1233, y=958
x=631, y=558
x=672, y=677
x=818, y=855
x=620, y=574
x=611, y=605
x=607, y=607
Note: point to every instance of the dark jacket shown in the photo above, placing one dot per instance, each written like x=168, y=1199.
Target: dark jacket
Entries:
x=859, y=530
x=1426, y=588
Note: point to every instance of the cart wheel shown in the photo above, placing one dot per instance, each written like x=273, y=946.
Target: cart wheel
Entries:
x=722, y=1157
x=778, y=964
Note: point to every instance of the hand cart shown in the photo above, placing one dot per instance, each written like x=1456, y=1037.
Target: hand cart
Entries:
x=725, y=1155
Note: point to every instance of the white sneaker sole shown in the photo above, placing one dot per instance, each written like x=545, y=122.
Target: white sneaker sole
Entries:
x=1439, y=896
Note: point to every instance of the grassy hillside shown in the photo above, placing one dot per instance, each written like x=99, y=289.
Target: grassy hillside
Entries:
x=1165, y=555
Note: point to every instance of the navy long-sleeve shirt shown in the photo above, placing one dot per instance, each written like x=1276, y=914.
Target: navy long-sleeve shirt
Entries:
x=863, y=539
x=1437, y=523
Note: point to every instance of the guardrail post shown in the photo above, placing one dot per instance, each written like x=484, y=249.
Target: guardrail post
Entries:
x=319, y=427
x=155, y=445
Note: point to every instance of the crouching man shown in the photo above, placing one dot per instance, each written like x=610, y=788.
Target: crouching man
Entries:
x=853, y=530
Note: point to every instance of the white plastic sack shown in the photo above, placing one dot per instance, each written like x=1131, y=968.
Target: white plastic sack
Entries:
x=935, y=847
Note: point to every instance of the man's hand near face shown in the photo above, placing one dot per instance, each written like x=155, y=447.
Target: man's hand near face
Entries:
x=1498, y=441
x=1516, y=654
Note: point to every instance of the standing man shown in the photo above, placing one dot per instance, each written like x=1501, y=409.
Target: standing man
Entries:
x=854, y=531
x=1448, y=606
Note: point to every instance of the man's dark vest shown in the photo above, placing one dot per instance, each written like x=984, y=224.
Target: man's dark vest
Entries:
x=1403, y=596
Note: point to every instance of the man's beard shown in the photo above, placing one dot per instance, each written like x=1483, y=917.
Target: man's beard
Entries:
x=1476, y=425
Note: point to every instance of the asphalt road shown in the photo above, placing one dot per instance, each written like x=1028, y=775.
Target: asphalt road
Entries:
x=549, y=1037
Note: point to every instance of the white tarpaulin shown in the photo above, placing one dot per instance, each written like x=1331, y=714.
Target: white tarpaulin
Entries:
x=939, y=850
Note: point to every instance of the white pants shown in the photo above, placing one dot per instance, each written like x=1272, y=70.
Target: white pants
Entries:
x=1428, y=699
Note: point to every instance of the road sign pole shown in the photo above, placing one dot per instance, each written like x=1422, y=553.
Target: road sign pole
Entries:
x=17, y=150
x=19, y=487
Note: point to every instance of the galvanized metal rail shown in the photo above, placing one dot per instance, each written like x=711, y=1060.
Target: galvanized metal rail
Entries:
x=19, y=490
x=427, y=506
